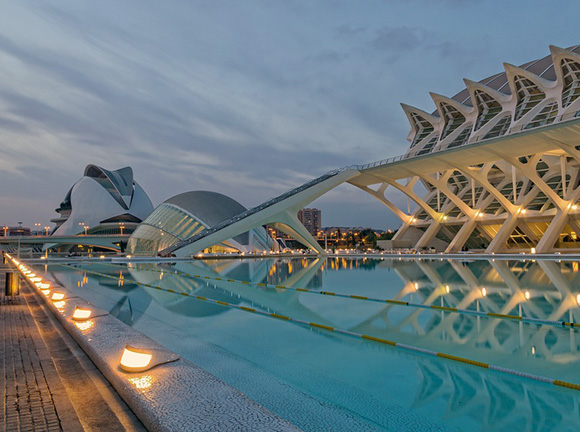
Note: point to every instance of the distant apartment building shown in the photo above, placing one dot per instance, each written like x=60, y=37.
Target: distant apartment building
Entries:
x=311, y=219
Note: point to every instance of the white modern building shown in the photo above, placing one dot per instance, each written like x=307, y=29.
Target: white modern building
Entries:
x=499, y=160
x=102, y=202
x=188, y=214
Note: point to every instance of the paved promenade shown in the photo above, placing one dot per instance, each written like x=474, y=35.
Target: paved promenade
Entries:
x=47, y=383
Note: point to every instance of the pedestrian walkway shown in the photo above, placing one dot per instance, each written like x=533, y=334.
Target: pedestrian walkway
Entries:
x=47, y=382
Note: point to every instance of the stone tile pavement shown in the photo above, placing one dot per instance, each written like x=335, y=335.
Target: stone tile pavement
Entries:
x=46, y=382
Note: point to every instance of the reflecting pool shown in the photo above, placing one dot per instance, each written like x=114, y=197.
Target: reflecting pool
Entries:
x=321, y=380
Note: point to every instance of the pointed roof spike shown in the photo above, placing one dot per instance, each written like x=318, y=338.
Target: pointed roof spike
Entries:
x=558, y=51
x=118, y=183
x=511, y=71
x=561, y=53
x=473, y=85
x=428, y=116
x=464, y=109
x=408, y=109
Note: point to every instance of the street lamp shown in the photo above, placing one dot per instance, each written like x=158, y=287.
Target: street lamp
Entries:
x=85, y=227
x=122, y=227
x=19, y=235
x=37, y=225
x=46, y=230
x=5, y=228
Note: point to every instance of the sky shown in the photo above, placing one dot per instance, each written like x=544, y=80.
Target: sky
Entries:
x=246, y=98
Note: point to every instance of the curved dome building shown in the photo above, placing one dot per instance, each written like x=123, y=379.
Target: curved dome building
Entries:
x=189, y=213
x=106, y=202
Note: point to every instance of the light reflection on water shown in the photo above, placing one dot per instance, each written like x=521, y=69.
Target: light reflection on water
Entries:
x=320, y=380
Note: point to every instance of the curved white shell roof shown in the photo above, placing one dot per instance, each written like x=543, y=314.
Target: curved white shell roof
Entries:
x=101, y=195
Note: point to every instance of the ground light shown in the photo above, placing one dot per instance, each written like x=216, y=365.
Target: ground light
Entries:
x=57, y=296
x=81, y=314
x=85, y=313
x=84, y=325
x=142, y=359
x=135, y=360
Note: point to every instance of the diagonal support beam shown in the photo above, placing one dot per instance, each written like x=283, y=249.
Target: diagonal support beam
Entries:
x=281, y=210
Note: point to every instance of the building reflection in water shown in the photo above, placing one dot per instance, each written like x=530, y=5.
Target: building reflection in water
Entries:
x=546, y=290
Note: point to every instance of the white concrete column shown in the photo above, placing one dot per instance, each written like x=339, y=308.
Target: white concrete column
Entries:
x=428, y=235
x=503, y=234
x=462, y=236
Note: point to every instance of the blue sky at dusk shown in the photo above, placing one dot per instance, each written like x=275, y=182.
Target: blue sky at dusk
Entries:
x=246, y=98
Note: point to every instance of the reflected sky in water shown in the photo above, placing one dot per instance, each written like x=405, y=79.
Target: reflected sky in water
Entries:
x=325, y=381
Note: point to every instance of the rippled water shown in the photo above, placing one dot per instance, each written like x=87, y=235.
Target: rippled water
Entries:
x=320, y=380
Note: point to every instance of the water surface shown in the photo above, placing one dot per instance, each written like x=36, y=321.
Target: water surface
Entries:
x=324, y=381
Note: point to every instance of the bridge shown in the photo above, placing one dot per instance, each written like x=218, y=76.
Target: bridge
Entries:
x=279, y=212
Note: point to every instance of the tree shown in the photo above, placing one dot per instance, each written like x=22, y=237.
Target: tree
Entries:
x=387, y=235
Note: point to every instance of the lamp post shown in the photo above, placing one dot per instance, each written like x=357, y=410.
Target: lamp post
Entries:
x=46, y=228
x=19, y=237
x=122, y=227
x=5, y=228
x=37, y=225
x=85, y=227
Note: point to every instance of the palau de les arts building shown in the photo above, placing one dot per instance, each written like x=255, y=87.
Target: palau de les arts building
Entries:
x=495, y=168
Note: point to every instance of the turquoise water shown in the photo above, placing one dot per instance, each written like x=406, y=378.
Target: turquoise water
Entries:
x=323, y=381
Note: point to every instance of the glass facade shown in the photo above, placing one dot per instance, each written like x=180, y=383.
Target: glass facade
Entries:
x=500, y=127
x=571, y=91
x=529, y=95
x=461, y=138
x=169, y=225
x=423, y=129
x=546, y=116
x=487, y=107
x=166, y=226
x=453, y=119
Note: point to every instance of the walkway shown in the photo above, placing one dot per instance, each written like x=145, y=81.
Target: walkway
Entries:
x=47, y=382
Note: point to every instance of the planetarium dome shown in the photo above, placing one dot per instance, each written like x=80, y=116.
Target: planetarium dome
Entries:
x=103, y=202
x=186, y=215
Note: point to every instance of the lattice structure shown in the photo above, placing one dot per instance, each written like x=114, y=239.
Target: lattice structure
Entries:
x=500, y=162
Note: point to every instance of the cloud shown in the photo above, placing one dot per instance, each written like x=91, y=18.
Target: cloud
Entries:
x=398, y=39
x=248, y=99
